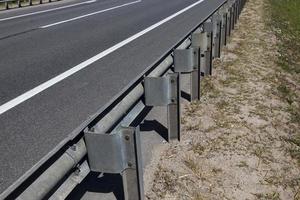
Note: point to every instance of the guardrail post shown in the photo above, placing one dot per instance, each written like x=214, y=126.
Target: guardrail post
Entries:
x=241, y=6
x=30, y=2
x=208, y=29
x=186, y=61
x=165, y=91
x=203, y=40
x=231, y=17
x=118, y=153
x=224, y=25
x=233, y=14
x=199, y=42
x=228, y=25
x=236, y=11
x=238, y=8
x=19, y=3
x=217, y=23
x=6, y=5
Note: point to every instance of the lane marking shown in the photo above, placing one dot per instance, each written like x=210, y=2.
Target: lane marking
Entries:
x=90, y=14
x=45, y=11
x=29, y=94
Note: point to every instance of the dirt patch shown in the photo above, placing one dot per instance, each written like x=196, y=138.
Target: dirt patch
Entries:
x=236, y=141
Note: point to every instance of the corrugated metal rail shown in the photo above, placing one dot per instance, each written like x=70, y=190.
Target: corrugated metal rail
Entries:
x=20, y=3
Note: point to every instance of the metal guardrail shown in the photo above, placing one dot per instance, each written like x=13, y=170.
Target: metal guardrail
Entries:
x=109, y=129
x=19, y=2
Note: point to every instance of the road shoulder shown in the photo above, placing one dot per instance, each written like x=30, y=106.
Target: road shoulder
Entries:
x=237, y=141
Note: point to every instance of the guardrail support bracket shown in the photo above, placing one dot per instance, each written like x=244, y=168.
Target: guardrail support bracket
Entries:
x=165, y=91
x=201, y=40
x=186, y=61
x=118, y=153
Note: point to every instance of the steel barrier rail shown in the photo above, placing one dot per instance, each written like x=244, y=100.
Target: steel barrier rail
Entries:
x=66, y=162
x=19, y=2
x=109, y=130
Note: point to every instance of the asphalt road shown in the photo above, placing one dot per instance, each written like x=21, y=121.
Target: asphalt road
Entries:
x=31, y=55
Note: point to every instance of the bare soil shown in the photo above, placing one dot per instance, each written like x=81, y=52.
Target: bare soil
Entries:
x=237, y=141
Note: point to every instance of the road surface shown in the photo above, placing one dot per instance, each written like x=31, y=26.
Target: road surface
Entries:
x=39, y=43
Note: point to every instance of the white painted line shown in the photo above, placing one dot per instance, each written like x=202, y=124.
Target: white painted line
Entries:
x=45, y=11
x=90, y=14
x=27, y=95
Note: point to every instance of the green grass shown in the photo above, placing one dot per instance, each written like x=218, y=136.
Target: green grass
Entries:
x=286, y=20
x=285, y=93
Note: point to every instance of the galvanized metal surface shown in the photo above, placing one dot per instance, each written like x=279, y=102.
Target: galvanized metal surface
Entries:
x=174, y=113
x=109, y=153
x=19, y=3
x=158, y=91
x=133, y=183
x=48, y=180
x=82, y=170
x=118, y=152
x=164, y=91
x=195, y=85
x=121, y=108
x=185, y=60
x=217, y=23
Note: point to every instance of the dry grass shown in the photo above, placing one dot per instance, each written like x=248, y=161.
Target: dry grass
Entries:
x=241, y=141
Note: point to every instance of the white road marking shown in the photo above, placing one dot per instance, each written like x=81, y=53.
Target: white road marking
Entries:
x=90, y=14
x=27, y=95
x=45, y=11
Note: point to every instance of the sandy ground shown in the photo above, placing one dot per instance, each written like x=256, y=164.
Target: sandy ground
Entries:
x=236, y=141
